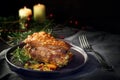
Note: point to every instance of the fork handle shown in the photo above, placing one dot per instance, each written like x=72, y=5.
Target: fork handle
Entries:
x=103, y=62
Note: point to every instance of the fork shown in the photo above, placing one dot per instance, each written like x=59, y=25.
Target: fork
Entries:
x=88, y=48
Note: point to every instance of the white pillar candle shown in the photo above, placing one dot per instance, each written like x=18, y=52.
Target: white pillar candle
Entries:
x=39, y=12
x=25, y=12
x=24, y=15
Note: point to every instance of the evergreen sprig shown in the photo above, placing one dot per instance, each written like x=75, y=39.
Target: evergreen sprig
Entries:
x=11, y=32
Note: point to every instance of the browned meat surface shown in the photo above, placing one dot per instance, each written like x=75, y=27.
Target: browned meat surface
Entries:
x=45, y=48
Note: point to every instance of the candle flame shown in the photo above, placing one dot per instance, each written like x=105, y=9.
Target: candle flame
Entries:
x=25, y=7
x=39, y=4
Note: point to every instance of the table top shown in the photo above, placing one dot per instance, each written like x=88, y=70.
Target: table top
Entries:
x=107, y=44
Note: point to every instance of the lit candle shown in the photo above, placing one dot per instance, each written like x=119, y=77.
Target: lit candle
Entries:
x=25, y=12
x=39, y=13
x=25, y=16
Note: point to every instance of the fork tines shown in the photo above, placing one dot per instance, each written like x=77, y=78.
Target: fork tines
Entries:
x=83, y=41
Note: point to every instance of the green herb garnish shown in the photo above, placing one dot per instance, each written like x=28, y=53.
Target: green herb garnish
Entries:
x=20, y=56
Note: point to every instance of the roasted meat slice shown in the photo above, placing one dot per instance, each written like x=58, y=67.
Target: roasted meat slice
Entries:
x=45, y=48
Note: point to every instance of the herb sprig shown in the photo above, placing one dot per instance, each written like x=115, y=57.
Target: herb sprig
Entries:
x=19, y=56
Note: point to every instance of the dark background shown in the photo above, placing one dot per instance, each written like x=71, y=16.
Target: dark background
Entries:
x=97, y=14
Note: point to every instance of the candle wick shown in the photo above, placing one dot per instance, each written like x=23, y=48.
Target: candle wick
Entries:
x=25, y=7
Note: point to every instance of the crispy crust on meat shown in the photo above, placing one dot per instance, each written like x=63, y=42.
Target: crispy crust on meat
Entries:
x=43, y=38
